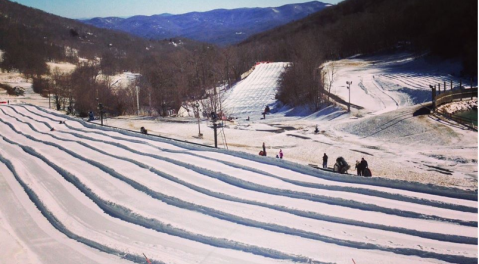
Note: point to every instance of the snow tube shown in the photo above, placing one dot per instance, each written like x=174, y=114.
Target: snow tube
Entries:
x=367, y=173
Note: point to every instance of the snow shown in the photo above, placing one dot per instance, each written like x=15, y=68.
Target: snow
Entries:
x=14, y=79
x=90, y=194
x=250, y=96
x=63, y=67
x=458, y=106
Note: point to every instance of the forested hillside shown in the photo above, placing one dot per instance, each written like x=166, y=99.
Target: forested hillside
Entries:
x=176, y=70
x=30, y=37
x=442, y=27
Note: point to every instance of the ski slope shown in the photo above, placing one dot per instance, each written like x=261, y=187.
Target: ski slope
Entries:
x=385, y=83
x=88, y=194
x=250, y=96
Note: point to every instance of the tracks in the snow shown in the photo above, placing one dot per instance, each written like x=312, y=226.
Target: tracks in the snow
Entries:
x=86, y=138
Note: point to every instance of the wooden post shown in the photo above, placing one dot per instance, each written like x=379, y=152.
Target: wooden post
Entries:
x=451, y=85
x=434, y=99
x=445, y=90
x=460, y=87
x=439, y=88
x=472, y=94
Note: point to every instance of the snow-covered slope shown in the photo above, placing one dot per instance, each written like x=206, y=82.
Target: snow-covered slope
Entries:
x=385, y=83
x=99, y=195
x=250, y=96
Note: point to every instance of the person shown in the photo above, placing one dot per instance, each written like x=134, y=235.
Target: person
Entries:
x=264, y=149
x=364, y=165
x=358, y=167
x=91, y=117
x=247, y=119
x=266, y=109
x=143, y=130
x=316, y=131
x=281, y=154
x=325, y=161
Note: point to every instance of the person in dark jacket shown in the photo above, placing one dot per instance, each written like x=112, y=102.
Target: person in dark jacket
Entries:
x=325, y=161
x=358, y=168
x=91, y=117
x=364, y=165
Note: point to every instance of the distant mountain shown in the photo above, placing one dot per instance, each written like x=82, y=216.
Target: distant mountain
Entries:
x=219, y=26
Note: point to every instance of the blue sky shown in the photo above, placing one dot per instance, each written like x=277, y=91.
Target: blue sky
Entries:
x=122, y=8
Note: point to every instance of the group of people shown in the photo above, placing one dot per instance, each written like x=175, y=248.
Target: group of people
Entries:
x=362, y=168
x=278, y=156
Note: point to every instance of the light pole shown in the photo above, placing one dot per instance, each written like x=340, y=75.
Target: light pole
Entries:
x=198, y=113
x=137, y=100
x=349, y=88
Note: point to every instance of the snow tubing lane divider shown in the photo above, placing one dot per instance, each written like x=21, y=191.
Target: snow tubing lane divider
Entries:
x=364, y=191
x=380, y=182
x=113, y=211
x=274, y=191
x=127, y=215
x=60, y=227
x=430, y=235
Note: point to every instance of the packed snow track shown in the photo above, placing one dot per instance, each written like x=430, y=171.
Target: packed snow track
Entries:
x=82, y=193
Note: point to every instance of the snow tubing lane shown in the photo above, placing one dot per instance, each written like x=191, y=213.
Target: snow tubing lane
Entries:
x=430, y=235
x=380, y=182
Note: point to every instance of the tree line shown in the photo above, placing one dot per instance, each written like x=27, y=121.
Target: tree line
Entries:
x=175, y=71
x=444, y=28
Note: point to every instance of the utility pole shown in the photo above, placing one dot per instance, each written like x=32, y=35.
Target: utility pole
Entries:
x=198, y=113
x=100, y=106
x=137, y=100
x=215, y=127
x=349, y=88
x=214, y=117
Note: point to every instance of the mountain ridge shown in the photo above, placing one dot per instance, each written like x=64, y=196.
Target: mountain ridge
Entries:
x=219, y=26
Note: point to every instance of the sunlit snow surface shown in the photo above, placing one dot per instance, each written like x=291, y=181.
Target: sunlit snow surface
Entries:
x=89, y=194
x=250, y=96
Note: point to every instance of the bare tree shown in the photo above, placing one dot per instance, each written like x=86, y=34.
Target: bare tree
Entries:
x=330, y=73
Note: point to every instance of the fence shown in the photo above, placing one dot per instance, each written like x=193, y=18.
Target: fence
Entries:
x=454, y=95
